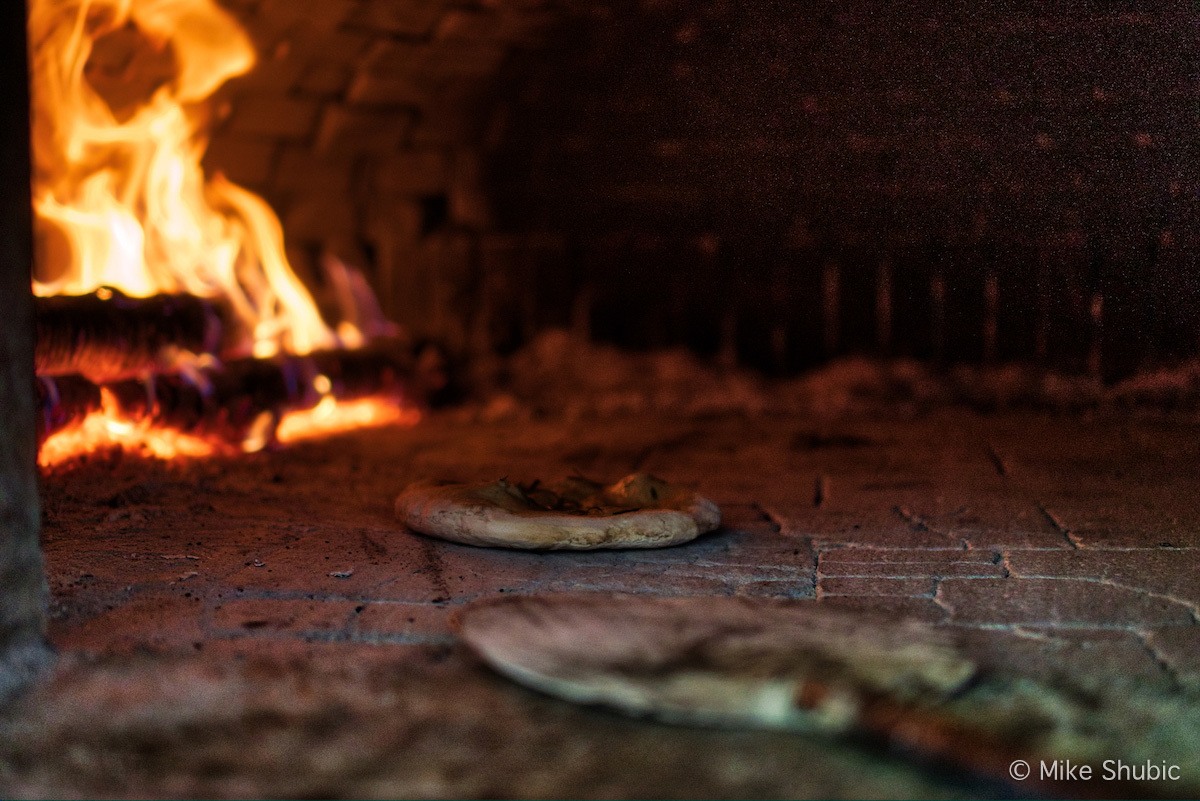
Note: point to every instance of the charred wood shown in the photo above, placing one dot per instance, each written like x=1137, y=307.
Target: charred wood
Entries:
x=107, y=335
x=64, y=401
x=230, y=400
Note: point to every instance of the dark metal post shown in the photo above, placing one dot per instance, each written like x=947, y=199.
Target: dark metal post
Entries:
x=23, y=650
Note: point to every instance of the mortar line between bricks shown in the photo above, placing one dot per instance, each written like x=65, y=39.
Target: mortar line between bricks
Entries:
x=301, y=595
x=1059, y=525
x=1052, y=626
x=818, y=590
x=901, y=576
x=1020, y=630
x=940, y=601
x=770, y=515
x=1144, y=637
x=919, y=524
x=1193, y=609
x=998, y=461
x=822, y=486
x=401, y=639
x=1002, y=469
x=840, y=545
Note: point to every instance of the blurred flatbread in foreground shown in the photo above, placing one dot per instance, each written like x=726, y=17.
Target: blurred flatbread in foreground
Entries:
x=723, y=661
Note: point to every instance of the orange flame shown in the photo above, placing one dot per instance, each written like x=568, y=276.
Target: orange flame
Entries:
x=329, y=417
x=119, y=192
x=120, y=90
x=107, y=429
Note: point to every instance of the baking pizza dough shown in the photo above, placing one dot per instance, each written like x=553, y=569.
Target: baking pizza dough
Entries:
x=639, y=511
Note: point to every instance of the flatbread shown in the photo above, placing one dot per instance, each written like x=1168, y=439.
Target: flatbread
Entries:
x=639, y=511
x=715, y=661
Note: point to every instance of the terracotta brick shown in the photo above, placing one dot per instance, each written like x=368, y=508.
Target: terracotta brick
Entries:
x=1003, y=518
x=402, y=219
x=1179, y=649
x=345, y=47
x=326, y=15
x=127, y=567
x=862, y=585
x=388, y=57
x=468, y=25
x=277, y=71
x=522, y=28
x=1083, y=655
x=464, y=59
x=160, y=622
x=416, y=18
x=272, y=617
x=744, y=515
x=897, y=563
x=311, y=217
x=415, y=172
x=674, y=583
x=305, y=566
x=917, y=608
x=697, y=568
x=862, y=523
x=1100, y=518
x=324, y=78
x=344, y=130
x=462, y=572
x=465, y=572
x=299, y=171
x=852, y=557
x=401, y=622
x=429, y=276
x=776, y=589
x=317, y=650
x=274, y=116
x=455, y=114
x=1055, y=602
x=244, y=161
x=1167, y=571
x=382, y=90
x=469, y=204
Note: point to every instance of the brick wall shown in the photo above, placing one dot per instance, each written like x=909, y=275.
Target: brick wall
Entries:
x=765, y=180
x=365, y=124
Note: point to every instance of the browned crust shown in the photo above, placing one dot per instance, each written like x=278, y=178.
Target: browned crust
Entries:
x=637, y=512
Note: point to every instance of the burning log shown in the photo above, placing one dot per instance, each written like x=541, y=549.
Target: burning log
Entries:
x=64, y=401
x=244, y=398
x=107, y=335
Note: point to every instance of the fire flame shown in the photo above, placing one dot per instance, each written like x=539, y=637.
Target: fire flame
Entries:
x=341, y=416
x=101, y=431
x=120, y=90
x=108, y=429
x=120, y=196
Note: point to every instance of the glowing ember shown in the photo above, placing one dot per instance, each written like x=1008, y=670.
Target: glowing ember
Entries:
x=107, y=430
x=342, y=416
x=121, y=199
x=101, y=431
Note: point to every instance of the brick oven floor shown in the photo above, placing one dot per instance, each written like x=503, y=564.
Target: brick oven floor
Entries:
x=262, y=627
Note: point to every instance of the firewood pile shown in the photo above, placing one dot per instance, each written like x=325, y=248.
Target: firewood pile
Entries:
x=174, y=361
